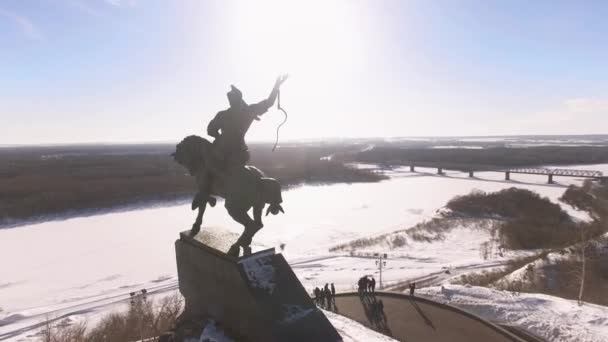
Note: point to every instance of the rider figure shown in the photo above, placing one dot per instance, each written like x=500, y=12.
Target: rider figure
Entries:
x=229, y=126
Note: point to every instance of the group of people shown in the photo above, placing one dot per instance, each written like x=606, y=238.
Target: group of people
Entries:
x=366, y=284
x=325, y=296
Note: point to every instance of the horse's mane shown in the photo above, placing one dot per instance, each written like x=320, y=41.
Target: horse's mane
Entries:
x=191, y=150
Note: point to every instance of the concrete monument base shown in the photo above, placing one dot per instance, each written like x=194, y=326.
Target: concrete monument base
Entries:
x=256, y=298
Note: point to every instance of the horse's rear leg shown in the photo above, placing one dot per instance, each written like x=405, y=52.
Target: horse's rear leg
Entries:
x=257, y=215
x=251, y=227
x=243, y=241
x=246, y=238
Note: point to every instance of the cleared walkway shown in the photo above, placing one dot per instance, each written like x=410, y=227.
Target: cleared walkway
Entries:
x=417, y=319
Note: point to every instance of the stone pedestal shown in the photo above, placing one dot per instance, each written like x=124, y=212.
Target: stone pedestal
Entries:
x=257, y=298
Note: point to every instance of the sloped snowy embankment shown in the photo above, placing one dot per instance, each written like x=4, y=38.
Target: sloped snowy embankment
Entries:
x=553, y=318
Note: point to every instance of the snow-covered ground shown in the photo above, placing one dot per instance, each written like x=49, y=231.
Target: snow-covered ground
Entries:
x=72, y=266
x=553, y=318
x=212, y=333
x=350, y=331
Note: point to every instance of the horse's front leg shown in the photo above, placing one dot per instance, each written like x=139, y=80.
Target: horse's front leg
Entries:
x=203, y=196
x=196, y=226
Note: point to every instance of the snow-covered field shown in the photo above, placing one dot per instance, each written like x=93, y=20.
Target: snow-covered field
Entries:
x=552, y=318
x=83, y=266
x=458, y=251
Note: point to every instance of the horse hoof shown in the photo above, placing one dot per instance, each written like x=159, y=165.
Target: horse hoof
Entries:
x=234, y=251
x=195, y=230
x=212, y=201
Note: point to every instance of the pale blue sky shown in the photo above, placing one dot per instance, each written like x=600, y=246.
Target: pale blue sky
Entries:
x=158, y=70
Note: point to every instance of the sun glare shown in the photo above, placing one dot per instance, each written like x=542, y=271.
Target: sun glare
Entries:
x=321, y=44
x=299, y=37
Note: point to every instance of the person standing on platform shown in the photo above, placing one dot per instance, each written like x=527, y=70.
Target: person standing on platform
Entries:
x=322, y=296
x=360, y=285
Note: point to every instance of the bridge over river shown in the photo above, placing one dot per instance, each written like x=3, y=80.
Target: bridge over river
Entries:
x=471, y=169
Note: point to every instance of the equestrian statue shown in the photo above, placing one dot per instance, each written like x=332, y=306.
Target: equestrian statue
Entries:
x=220, y=168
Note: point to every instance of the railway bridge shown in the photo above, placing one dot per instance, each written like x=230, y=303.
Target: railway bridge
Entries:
x=471, y=169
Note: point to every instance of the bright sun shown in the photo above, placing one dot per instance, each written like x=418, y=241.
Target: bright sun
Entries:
x=321, y=44
x=301, y=37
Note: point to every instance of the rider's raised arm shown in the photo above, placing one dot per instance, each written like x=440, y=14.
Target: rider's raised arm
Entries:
x=263, y=106
x=213, y=129
x=259, y=108
x=275, y=90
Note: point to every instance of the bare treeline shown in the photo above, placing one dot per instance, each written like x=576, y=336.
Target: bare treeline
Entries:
x=143, y=320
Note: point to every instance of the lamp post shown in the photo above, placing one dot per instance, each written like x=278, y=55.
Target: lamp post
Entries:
x=381, y=262
x=139, y=299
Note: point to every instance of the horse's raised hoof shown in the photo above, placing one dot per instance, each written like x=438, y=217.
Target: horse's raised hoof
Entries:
x=274, y=209
x=212, y=201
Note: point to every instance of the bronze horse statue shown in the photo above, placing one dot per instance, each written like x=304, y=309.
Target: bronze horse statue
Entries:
x=242, y=187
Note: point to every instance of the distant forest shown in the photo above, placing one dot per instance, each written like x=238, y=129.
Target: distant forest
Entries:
x=44, y=182
x=495, y=156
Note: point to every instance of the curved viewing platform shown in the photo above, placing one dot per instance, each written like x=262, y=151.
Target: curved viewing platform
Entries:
x=408, y=318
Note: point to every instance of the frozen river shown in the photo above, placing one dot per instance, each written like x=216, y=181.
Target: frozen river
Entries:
x=48, y=266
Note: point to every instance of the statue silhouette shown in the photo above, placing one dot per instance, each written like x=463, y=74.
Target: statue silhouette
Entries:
x=220, y=168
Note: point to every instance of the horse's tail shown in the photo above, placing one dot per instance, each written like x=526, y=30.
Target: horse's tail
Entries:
x=257, y=173
x=272, y=192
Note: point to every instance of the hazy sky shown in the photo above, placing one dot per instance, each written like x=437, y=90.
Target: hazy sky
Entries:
x=155, y=70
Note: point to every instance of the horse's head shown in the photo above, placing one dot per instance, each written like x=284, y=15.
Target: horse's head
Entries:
x=190, y=153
